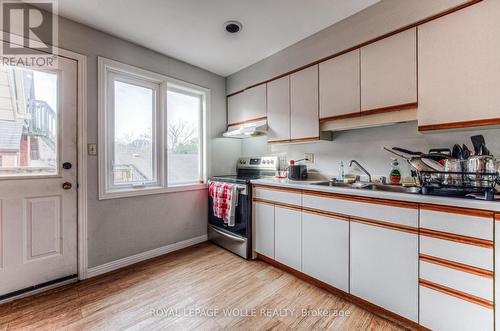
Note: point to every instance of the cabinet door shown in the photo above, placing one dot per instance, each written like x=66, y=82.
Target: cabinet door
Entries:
x=264, y=229
x=339, y=86
x=246, y=106
x=384, y=268
x=389, y=71
x=325, y=249
x=458, y=66
x=278, y=109
x=304, y=104
x=288, y=237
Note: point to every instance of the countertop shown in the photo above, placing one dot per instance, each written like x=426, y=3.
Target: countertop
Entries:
x=417, y=198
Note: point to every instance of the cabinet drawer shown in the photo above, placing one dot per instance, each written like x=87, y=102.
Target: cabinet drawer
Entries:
x=470, y=223
x=441, y=311
x=278, y=195
x=462, y=281
x=475, y=256
x=384, y=211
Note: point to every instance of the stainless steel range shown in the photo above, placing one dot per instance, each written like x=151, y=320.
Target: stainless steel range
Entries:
x=238, y=238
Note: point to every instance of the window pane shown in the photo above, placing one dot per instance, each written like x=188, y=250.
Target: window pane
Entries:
x=28, y=122
x=183, y=116
x=133, y=134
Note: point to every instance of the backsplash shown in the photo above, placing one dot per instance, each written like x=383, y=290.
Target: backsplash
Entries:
x=366, y=146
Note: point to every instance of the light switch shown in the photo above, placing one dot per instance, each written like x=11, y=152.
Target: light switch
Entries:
x=92, y=149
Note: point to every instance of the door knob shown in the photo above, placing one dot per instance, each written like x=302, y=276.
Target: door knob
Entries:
x=67, y=165
x=67, y=185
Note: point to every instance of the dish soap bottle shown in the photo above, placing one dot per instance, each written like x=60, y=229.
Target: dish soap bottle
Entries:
x=395, y=175
x=341, y=175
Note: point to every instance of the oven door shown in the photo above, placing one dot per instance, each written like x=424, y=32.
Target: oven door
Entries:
x=235, y=238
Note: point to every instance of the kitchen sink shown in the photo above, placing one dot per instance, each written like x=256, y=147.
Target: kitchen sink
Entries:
x=373, y=187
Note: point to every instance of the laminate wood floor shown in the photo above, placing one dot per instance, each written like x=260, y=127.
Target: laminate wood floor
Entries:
x=202, y=287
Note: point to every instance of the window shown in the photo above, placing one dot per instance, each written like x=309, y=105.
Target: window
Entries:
x=184, y=109
x=150, y=132
x=29, y=122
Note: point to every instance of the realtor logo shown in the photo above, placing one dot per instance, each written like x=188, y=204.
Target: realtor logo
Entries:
x=29, y=32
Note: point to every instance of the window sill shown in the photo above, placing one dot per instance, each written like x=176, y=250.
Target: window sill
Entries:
x=117, y=194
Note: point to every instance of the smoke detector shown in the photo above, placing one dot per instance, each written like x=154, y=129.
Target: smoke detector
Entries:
x=233, y=26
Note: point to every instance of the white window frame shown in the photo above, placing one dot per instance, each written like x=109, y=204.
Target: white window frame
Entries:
x=110, y=69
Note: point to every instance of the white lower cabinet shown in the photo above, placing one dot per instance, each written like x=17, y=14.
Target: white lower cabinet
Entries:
x=440, y=311
x=264, y=229
x=325, y=249
x=288, y=237
x=384, y=268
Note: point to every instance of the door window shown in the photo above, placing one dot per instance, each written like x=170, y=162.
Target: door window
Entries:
x=29, y=124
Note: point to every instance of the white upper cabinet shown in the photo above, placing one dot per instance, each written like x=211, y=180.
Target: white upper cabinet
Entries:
x=459, y=67
x=304, y=104
x=339, y=85
x=278, y=109
x=247, y=105
x=389, y=71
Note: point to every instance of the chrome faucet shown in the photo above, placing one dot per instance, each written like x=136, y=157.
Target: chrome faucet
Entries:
x=363, y=169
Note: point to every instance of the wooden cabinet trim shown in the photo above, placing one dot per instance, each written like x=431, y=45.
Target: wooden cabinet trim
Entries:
x=457, y=294
x=457, y=238
x=264, y=202
x=325, y=213
x=347, y=296
x=248, y=121
x=387, y=225
x=382, y=110
x=298, y=140
x=457, y=266
x=377, y=201
x=277, y=204
x=458, y=210
x=277, y=188
x=283, y=141
x=459, y=125
x=371, y=41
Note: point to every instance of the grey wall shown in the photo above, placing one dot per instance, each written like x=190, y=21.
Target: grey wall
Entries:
x=364, y=145
x=122, y=227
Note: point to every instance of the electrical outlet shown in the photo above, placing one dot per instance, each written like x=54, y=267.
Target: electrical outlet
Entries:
x=309, y=157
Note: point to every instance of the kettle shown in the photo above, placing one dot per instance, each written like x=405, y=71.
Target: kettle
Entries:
x=297, y=171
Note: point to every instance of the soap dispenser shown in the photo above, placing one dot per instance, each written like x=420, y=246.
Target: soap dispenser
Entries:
x=395, y=175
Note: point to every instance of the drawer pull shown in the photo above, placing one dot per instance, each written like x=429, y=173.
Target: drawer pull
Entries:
x=457, y=266
x=456, y=294
x=457, y=238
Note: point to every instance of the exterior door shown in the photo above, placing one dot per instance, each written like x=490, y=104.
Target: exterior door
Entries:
x=38, y=195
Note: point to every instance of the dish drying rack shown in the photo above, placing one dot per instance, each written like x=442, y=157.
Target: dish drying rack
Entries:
x=449, y=183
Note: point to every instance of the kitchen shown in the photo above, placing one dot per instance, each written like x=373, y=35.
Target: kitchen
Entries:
x=345, y=179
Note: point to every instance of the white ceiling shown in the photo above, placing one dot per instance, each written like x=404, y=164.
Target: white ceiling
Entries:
x=193, y=30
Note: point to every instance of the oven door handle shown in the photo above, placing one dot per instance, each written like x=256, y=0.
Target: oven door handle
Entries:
x=227, y=235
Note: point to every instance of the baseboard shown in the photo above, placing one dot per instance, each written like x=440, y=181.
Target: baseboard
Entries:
x=113, y=265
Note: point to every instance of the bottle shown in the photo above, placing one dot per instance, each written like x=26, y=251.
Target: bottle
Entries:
x=341, y=172
x=395, y=175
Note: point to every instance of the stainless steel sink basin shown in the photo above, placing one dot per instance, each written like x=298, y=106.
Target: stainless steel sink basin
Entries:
x=373, y=187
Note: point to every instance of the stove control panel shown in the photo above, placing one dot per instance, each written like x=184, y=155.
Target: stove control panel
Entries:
x=265, y=163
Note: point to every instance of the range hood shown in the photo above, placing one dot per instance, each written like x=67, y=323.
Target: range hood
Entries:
x=246, y=130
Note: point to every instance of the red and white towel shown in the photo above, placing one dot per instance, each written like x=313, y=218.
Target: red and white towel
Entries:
x=225, y=200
